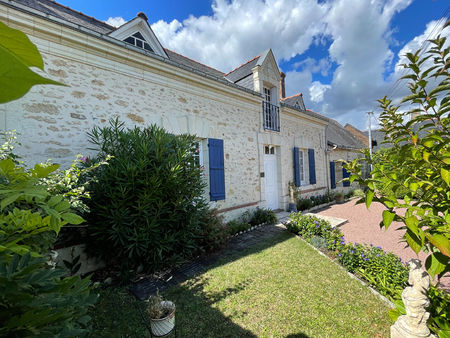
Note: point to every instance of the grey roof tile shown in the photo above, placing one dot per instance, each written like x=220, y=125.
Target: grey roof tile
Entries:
x=242, y=71
x=338, y=135
x=55, y=9
x=181, y=59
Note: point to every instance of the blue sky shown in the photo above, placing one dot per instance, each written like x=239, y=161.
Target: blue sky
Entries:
x=341, y=54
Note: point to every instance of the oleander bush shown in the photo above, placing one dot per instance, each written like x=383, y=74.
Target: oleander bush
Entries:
x=147, y=206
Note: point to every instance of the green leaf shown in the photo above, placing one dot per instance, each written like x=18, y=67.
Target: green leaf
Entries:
x=72, y=218
x=436, y=263
x=369, y=197
x=441, y=242
x=388, y=217
x=413, y=241
x=17, y=43
x=8, y=200
x=16, y=78
x=445, y=174
x=412, y=223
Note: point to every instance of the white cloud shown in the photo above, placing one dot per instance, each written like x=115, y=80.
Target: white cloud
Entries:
x=240, y=29
x=360, y=33
x=317, y=91
x=116, y=21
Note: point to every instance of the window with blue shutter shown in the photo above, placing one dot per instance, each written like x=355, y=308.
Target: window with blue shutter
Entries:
x=312, y=166
x=333, y=175
x=216, y=170
x=345, y=174
x=296, y=168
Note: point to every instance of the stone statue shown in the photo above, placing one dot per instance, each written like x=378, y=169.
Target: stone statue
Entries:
x=415, y=299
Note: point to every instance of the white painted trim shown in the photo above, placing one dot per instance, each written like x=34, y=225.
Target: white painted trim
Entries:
x=139, y=24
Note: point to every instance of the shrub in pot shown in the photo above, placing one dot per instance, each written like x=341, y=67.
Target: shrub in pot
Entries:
x=161, y=314
x=339, y=197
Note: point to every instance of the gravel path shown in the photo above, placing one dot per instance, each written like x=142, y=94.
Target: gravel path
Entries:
x=363, y=227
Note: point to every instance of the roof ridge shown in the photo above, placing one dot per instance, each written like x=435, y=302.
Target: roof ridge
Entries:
x=194, y=60
x=289, y=97
x=231, y=71
x=74, y=10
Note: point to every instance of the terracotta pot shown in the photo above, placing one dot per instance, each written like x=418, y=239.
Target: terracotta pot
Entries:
x=163, y=326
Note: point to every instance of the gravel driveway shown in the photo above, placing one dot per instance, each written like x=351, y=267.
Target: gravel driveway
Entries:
x=363, y=227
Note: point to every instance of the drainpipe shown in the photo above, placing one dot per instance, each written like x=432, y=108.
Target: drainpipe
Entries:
x=327, y=159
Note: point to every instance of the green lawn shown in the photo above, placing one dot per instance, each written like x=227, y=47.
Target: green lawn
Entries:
x=279, y=288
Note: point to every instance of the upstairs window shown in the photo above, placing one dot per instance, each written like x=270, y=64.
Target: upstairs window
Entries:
x=139, y=41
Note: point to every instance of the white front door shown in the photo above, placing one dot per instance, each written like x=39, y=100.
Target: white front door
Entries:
x=270, y=174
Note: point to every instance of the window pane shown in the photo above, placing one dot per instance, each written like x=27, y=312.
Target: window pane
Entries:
x=130, y=40
x=147, y=47
x=139, y=43
x=267, y=150
x=139, y=36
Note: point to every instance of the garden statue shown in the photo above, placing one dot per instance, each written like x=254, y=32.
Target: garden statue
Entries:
x=415, y=299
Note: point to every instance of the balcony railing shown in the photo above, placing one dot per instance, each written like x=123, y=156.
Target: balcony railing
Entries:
x=271, y=116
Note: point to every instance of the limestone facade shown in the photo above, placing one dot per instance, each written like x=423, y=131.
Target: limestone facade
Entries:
x=104, y=80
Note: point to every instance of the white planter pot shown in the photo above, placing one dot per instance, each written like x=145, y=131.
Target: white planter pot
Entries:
x=163, y=326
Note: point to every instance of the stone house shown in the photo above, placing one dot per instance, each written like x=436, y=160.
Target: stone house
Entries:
x=253, y=141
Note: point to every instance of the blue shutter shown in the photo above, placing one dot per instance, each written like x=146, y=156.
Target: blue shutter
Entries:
x=312, y=166
x=345, y=174
x=333, y=175
x=296, y=168
x=216, y=170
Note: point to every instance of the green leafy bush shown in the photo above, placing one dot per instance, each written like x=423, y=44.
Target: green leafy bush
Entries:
x=262, y=216
x=304, y=204
x=319, y=242
x=251, y=218
x=417, y=165
x=30, y=216
x=36, y=301
x=147, y=205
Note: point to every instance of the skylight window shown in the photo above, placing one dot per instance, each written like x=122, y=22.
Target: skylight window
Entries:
x=139, y=41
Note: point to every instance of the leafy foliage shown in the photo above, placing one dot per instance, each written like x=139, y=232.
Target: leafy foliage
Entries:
x=147, y=205
x=17, y=55
x=251, y=218
x=29, y=213
x=417, y=167
x=37, y=301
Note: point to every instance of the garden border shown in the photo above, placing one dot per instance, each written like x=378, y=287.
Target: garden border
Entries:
x=374, y=291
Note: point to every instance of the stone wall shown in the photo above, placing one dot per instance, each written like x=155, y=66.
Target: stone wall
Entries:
x=347, y=155
x=105, y=80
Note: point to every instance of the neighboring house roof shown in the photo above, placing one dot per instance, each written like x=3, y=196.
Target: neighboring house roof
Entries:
x=243, y=70
x=357, y=133
x=295, y=101
x=340, y=137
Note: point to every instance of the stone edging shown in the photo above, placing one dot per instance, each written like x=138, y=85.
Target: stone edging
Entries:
x=248, y=230
x=375, y=292
x=320, y=206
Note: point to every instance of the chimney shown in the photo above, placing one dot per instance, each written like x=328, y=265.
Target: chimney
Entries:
x=142, y=15
x=282, y=86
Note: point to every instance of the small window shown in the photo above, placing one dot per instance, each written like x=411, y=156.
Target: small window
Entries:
x=130, y=40
x=269, y=150
x=138, y=40
x=139, y=36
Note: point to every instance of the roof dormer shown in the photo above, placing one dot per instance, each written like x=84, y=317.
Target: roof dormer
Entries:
x=137, y=32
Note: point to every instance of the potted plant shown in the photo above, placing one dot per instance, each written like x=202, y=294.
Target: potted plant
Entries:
x=162, y=315
x=339, y=197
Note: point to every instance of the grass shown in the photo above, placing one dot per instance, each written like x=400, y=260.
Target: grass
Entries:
x=279, y=288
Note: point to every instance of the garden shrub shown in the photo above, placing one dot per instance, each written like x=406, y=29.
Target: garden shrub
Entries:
x=251, y=218
x=304, y=204
x=214, y=232
x=319, y=242
x=36, y=301
x=147, y=205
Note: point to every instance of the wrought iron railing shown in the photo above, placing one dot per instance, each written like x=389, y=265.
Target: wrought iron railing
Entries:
x=271, y=116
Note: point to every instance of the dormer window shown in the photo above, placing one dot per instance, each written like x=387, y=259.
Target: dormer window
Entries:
x=139, y=41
